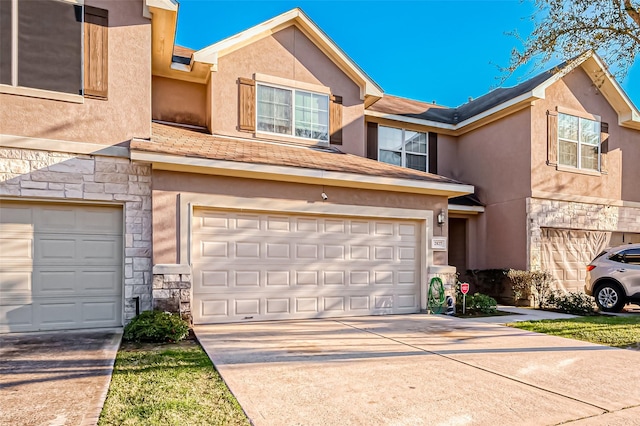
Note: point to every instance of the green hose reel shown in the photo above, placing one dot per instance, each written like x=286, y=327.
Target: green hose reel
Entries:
x=435, y=296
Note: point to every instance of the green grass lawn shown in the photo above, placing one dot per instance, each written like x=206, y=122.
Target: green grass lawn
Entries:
x=172, y=384
x=621, y=332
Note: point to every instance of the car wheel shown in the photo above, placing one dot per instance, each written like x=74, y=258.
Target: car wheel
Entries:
x=609, y=297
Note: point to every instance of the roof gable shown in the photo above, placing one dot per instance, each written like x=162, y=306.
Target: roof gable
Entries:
x=369, y=90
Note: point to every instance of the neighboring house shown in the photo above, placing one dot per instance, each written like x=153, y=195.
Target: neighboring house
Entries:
x=75, y=211
x=247, y=180
x=554, y=164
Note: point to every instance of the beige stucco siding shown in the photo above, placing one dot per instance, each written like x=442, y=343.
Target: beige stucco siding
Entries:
x=448, y=156
x=167, y=186
x=504, y=227
x=287, y=54
x=496, y=159
x=126, y=113
x=178, y=101
x=576, y=92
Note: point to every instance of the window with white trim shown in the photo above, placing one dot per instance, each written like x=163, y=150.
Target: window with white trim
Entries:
x=292, y=112
x=403, y=147
x=578, y=142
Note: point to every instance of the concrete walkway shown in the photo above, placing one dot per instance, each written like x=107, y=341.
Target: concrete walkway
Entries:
x=55, y=379
x=420, y=370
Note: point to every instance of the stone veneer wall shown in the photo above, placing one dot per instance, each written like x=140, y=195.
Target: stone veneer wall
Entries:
x=172, y=289
x=55, y=176
x=573, y=215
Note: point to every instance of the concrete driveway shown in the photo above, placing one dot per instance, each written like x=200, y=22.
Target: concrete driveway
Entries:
x=55, y=379
x=420, y=370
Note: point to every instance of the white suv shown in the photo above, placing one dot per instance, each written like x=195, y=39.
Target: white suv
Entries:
x=613, y=277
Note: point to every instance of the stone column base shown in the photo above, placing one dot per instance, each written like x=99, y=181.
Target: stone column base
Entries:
x=172, y=290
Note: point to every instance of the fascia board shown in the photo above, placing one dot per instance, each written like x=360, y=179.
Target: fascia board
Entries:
x=457, y=208
x=299, y=175
x=412, y=120
x=628, y=115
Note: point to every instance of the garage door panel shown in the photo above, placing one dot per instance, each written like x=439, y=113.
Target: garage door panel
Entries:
x=15, y=282
x=60, y=266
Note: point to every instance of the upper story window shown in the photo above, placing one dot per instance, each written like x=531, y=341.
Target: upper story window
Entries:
x=578, y=142
x=53, y=45
x=403, y=147
x=293, y=112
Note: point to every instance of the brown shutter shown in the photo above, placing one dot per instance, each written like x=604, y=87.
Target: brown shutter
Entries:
x=335, y=120
x=246, y=104
x=552, y=138
x=433, y=153
x=372, y=141
x=96, y=52
x=604, y=147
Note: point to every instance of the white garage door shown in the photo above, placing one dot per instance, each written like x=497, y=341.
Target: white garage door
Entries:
x=60, y=266
x=566, y=253
x=252, y=267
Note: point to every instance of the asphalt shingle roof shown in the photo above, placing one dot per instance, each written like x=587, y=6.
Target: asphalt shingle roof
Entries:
x=172, y=140
x=432, y=112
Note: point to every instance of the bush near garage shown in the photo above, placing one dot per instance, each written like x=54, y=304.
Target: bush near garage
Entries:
x=535, y=283
x=575, y=303
x=475, y=304
x=157, y=327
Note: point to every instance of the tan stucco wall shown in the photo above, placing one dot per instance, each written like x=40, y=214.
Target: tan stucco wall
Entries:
x=127, y=112
x=291, y=55
x=448, y=156
x=167, y=186
x=495, y=159
x=179, y=101
x=576, y=91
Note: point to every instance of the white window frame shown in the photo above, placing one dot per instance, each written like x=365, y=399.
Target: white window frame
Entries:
x=579, y=143
x=403, y=152
x=293, y=112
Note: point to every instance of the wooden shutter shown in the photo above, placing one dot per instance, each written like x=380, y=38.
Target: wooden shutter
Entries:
x=335, y=120
x=246, y=104
x=604, y=147
x=372, y=141
x=96, y=52
x=552, y=138
x=433, y=153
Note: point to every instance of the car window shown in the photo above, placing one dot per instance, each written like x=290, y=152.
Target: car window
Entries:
x=631, y=256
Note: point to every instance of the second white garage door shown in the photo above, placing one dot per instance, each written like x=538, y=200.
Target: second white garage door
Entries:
x=252, y=267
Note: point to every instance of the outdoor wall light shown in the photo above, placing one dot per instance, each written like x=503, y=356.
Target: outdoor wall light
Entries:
x=441, y=217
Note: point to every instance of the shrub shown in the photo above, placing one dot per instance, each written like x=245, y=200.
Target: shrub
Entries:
x=541, y=285
x=572, y=303
x=526, y=283
x=476, y=303
x=156, y=326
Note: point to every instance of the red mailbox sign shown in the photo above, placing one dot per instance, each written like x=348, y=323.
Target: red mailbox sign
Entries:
x=464, y=288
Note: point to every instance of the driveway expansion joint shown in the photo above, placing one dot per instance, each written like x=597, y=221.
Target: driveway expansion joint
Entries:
x=487, y=370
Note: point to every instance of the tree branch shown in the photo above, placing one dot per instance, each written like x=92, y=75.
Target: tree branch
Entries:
x=632, y=12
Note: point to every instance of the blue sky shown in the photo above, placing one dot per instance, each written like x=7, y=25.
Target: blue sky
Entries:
x=443, y=51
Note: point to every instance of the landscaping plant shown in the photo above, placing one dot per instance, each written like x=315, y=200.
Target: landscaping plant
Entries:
x=520, y=284
x=156, y=326
x=575, y=303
